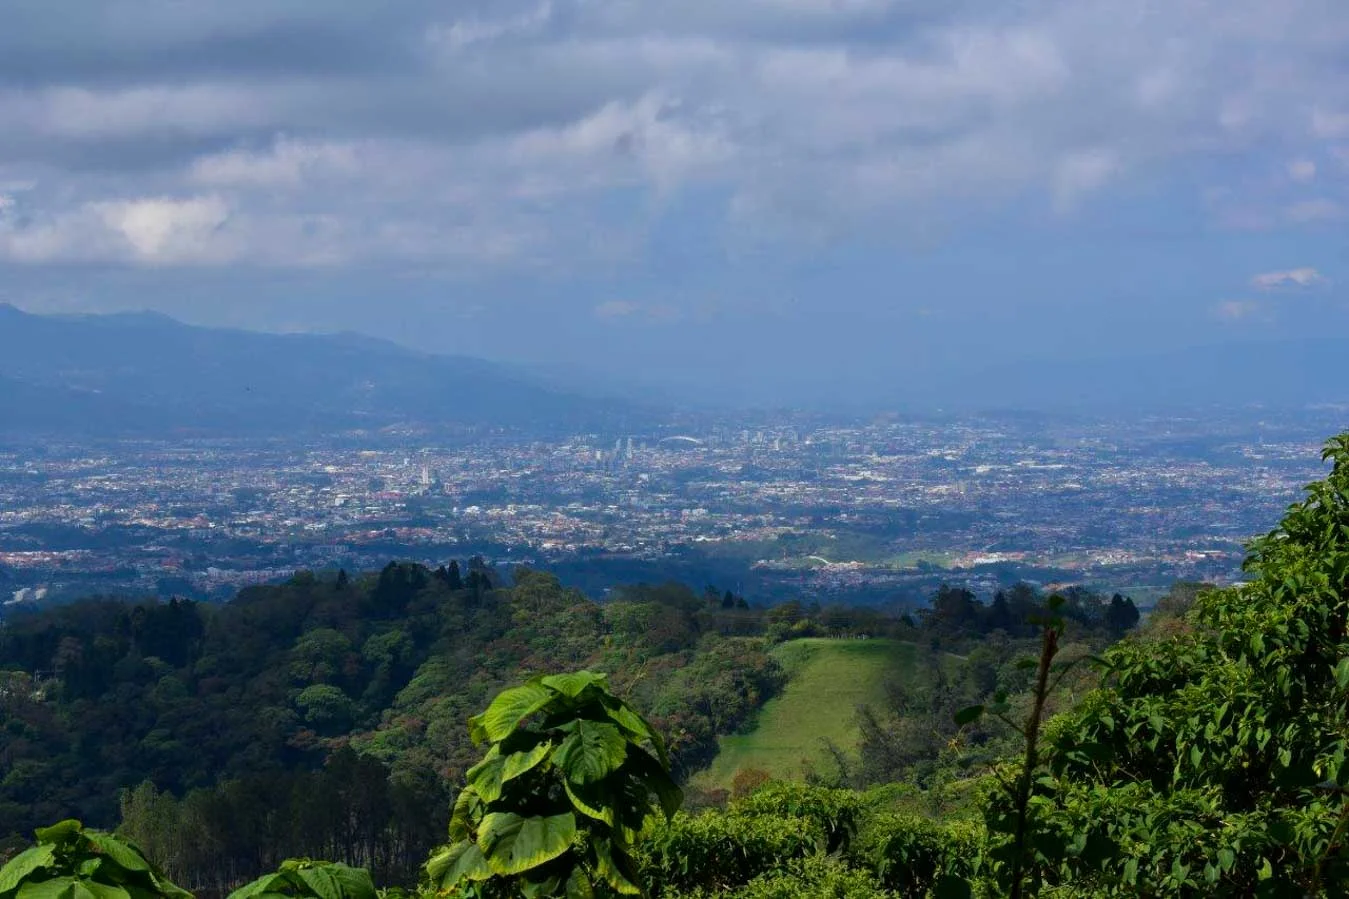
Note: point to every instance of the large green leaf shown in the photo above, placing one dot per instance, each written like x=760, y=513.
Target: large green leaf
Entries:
x=467, y=810
x=651, y=774
x=456, y=863
x=337, y=881
x=56, y=888
x=20, y=866
x=506, y=712
x=356, y=883
x=267, y=883
x=320, y=882
x=591, y=752
x=579, y=886
x=488, y=776
x=166, y=887
x=513, y=844
x=484, y=778
x=617, y=869
x=574, y=684
x=104, y=890
x=119, y=852
x=518, y=763
x=592, y=800
x=636, y=726
x=59, y=831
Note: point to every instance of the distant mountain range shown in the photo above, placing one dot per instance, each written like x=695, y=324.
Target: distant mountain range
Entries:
x=145, y=374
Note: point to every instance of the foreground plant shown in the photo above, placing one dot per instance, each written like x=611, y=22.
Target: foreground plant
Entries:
x=300, y=878
x=1010, y=814
x=571, y=779
x=70, y=862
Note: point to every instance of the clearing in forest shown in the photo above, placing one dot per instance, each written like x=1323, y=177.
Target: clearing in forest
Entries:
x=827, y=681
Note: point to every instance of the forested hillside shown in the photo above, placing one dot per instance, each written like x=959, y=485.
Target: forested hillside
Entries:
x=328, y=716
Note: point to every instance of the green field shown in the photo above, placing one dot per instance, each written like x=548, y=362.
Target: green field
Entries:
x=828, y=680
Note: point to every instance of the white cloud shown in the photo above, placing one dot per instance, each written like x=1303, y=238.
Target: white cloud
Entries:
x=1237, y=310
x=1081, y=173
x=1320, y=209
x=167, y=230
x=463, y=33
x=287, y=163
x=1295, y=277
x=1302, y=170
x=495, y=132
x=617, y=309
x=1329, y=124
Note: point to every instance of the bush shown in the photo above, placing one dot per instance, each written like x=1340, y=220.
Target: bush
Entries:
x=70, y=862
x=816, y=878
x=835, y=812
x=913, y=855
x=719, y=851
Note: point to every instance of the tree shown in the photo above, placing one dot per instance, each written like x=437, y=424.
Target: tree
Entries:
x=571, y=778
x=454, y=579
x=1122, y=615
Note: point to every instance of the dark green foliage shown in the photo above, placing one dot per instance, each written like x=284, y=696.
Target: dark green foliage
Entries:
x=914, y=855
x=306, y=879
x=354, y=809
x=70, y=862
x=720, y=851
x=236, y=713
x=814, y=878
x=834, y=813
x=572, y=779
x=1212, y=762
x=1122, y=614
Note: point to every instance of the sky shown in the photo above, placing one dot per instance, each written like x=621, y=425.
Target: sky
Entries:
x=761, y=200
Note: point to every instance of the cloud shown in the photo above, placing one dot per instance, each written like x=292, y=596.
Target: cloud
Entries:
x=1080, y=173
x=1296, y=277
x=1302, y=170
x=1330, y=124
x=619, y=310
x=462, y=33
x=287, y=163
x=1319, y=209
x=1237, y=310
x=616, y=309
x=556, y=132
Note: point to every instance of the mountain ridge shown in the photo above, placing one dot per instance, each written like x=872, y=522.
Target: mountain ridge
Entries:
x=147, y=374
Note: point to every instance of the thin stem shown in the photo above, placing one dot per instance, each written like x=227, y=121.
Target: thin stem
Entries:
x=1049, y=646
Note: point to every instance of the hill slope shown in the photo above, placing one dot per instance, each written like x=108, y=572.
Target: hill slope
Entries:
x=829, y=679
x=146, y=374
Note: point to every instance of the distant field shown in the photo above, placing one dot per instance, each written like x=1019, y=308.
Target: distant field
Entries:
x=829, y=679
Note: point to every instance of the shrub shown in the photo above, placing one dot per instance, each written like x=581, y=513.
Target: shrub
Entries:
x=835, y=812
x=305, y=879
x=70, y=862
x=719, y=850
x=913, y=855
x=816, y=878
